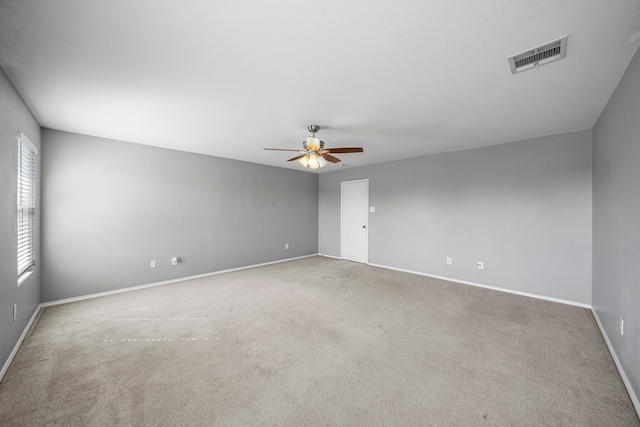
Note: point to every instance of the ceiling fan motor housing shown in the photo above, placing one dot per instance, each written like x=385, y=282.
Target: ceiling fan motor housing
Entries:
x=313, y=144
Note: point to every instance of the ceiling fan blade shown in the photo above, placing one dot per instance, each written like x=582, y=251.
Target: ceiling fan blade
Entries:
x=296, y=157
x=330, y=158
x=284, y=149
x=344, y=150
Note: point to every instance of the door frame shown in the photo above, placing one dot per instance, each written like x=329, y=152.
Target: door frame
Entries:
x=366, y=182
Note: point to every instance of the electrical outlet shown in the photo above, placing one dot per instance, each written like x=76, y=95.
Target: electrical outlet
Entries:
x=152, y=264
x=174, y=260
x=621, y=326
x=15, y=311
x=449, y=260
x=286, y=246
x=480, y=265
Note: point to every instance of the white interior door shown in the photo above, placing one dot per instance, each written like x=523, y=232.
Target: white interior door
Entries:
x=355, y=220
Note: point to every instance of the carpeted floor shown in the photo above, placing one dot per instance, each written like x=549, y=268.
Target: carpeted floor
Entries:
x=315, y=341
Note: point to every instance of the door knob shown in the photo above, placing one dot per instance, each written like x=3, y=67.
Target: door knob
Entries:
x=364, y=226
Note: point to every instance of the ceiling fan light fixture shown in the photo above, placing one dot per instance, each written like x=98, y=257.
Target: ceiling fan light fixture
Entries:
x=313, y=161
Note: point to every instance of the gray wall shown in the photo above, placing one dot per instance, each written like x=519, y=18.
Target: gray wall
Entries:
x=616, y=221
x=14, y=117
x=110, y=207
x=524, y=208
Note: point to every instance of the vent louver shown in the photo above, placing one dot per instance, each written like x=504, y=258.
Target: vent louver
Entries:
x=540, y=55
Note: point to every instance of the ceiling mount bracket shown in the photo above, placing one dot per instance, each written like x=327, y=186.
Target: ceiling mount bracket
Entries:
x=313, y=129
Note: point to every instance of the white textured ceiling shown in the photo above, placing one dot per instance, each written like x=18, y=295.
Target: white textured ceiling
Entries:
x=400, y=78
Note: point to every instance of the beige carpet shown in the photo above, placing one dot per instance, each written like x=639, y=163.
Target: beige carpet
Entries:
x=315, y=341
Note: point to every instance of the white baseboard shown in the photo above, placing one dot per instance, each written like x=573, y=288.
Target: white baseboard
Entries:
x=625, y=379
x=19, y=343
x=165, y=282
x=494, y=288
x=330, y=256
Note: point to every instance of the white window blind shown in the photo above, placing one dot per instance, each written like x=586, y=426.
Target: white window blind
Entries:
x=26, y=203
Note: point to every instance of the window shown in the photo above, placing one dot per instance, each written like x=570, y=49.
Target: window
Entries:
x=26, y=203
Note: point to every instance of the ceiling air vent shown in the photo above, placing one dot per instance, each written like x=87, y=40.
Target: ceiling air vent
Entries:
x=540, y=55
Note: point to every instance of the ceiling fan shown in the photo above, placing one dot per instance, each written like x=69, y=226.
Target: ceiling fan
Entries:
x=314, y=155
